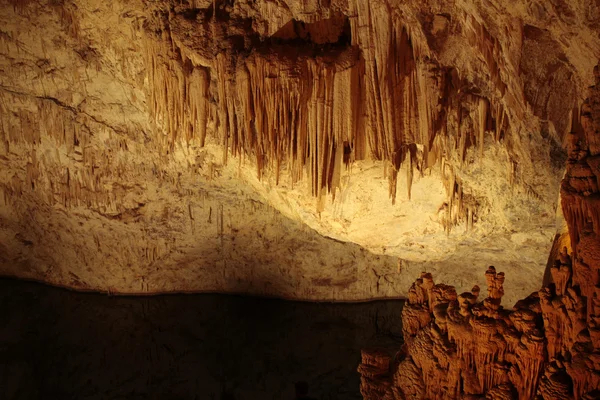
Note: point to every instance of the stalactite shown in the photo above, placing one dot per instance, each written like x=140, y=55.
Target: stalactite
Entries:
x=489, y=47
x=501, y=120
x=179, y=96
x=409, y=175
x=482, y=123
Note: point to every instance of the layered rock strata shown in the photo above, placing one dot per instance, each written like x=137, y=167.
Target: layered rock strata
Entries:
x=546, y=347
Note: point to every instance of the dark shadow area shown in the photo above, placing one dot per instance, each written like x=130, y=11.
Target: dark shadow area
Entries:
x=56, y=343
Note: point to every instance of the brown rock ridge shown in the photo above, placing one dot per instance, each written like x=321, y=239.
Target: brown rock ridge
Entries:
x=319, y=150
x=546, y=347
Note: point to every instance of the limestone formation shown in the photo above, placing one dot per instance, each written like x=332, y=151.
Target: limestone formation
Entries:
x=321, y=150
x=546, y=347
x=284, y=147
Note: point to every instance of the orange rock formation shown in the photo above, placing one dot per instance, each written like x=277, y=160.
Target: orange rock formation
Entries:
x=546, y=347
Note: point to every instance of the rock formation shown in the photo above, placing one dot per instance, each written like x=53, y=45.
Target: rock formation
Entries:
x=314, y=149
x=546, y=347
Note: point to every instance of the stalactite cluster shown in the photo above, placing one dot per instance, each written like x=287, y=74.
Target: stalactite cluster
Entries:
x=69, y=133
x=313, y=97
x=52, y=122
x=181, y=105
x=546, y=347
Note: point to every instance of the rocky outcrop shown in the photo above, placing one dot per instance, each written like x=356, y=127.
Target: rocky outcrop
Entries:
x=319, y=150
x=546, y=347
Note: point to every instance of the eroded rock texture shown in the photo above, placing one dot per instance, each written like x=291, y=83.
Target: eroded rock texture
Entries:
x=546, y=347
x=319, y=149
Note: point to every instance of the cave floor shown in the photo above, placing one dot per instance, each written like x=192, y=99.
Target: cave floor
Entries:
x=56, y=343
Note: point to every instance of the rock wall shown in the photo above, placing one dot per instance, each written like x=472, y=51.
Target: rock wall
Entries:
x=322, y=150
x=546, y=347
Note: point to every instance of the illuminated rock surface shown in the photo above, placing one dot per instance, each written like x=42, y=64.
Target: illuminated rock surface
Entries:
x=546, y=347
x=318, y=150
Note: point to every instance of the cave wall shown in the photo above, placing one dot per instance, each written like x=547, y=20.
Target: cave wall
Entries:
x=153, y=146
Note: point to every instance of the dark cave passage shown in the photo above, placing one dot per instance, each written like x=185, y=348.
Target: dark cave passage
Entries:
x=60, y=344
